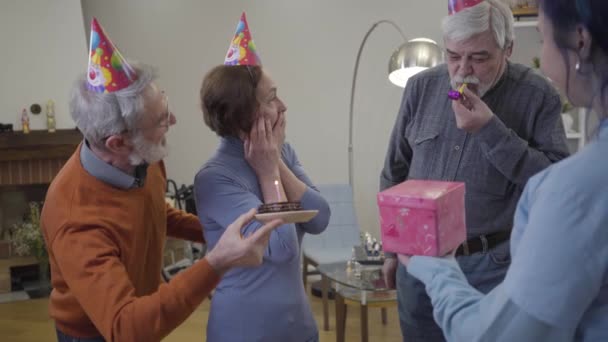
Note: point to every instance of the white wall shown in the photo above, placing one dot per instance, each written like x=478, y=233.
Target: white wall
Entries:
x=43, y=49
x=309, y=48
x=527, y=45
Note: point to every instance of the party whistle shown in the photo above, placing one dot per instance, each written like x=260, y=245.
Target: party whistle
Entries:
x=457, y=94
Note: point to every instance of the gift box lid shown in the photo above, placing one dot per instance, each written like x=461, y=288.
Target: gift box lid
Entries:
x=421, y=194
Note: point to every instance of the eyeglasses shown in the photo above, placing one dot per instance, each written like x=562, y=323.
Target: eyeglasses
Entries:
x=163, y=122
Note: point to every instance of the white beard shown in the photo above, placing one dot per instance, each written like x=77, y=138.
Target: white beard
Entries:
x=145, y=151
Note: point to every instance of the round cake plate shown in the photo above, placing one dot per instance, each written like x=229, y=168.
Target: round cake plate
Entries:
x=296, y=216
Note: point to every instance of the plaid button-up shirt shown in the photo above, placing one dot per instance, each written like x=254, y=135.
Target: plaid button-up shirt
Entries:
x=525, y=136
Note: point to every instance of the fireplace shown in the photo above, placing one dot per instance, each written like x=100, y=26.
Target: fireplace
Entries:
x=28, y=164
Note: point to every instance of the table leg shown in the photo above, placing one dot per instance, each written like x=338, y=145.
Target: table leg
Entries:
x=364, y=331
x=340, y=317
x=304, y=270
x=383, y=314
x=325, y=291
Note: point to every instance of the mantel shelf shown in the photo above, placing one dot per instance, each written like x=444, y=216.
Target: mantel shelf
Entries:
x=38, y=145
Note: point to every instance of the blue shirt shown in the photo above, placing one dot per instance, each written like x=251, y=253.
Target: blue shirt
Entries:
x=267, y=303
x=556, y=288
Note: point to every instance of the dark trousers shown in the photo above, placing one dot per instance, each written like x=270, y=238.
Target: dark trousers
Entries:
x=484, y=271
x=61, y=337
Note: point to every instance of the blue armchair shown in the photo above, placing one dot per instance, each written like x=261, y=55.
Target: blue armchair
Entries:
x=342, y=233
x=337, y=241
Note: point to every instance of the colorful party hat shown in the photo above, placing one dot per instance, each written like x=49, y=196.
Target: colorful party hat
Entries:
x=242, y=50
x=108, y=70
x=455, y=6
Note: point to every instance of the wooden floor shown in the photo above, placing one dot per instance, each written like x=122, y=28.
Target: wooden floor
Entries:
x=27, y=321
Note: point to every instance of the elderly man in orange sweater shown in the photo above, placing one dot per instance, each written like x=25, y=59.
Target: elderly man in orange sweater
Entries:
x=105, y=219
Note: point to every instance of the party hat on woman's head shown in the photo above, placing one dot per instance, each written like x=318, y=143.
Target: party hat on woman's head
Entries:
x=242, y=50
x=455, y=6
x=108, y=70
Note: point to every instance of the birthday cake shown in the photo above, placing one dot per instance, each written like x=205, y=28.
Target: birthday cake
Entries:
x=279, y=207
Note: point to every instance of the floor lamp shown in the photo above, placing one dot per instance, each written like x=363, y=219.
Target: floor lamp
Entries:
x=410, y=58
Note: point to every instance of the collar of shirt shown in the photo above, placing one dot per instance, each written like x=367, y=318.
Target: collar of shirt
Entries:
x=232, y=145
x=108, y=173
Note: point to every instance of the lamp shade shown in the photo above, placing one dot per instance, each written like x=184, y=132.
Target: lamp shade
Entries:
x=411, y=58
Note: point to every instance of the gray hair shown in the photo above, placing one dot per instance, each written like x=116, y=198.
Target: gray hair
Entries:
x=100, y=115
x=489, y=14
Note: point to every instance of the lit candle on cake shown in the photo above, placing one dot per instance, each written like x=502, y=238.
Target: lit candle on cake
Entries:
x=276, y=185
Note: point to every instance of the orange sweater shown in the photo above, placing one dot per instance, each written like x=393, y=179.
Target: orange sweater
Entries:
x=105, y=249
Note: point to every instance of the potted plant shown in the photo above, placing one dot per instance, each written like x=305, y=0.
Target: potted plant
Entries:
x=27, y=240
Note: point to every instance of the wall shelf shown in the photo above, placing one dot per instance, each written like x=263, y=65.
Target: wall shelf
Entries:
x=527, y=11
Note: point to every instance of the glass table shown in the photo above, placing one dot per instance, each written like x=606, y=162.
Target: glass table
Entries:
x=361, y=285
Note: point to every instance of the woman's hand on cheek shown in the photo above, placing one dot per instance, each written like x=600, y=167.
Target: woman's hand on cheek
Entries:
x=262, y=149
x=278, y=130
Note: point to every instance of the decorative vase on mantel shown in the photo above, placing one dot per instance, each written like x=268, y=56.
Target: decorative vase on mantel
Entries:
x=50, y=116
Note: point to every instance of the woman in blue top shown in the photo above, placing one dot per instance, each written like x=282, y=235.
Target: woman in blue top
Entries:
x=557, y=286
x=268, y=303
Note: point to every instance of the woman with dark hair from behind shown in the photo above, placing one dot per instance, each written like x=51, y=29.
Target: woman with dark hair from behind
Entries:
x=557, y=286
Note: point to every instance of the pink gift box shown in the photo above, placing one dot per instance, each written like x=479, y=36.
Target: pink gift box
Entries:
x=419, y=217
